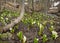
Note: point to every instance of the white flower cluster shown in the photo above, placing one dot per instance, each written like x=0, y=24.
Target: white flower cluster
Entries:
x=55, y=34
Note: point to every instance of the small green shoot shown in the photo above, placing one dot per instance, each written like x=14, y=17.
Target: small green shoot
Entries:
x=41, y=29
x=20, y=35
x=35, y=40
x=44, y=38
x=51, y=28
x=11, y=30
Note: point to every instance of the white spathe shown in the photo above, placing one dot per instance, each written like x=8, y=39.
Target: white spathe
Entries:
x=24, y=38
x=56, y=3
x=55, y=34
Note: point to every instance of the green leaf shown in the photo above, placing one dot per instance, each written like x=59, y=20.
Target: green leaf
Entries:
x=35, y=40
x=51, y=28
x=20, y=35
x=44, y=38
x=12, y=31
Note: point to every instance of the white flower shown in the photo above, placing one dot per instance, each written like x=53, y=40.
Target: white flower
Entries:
x=6, y=18
x=55, y=34
x=10, y=28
